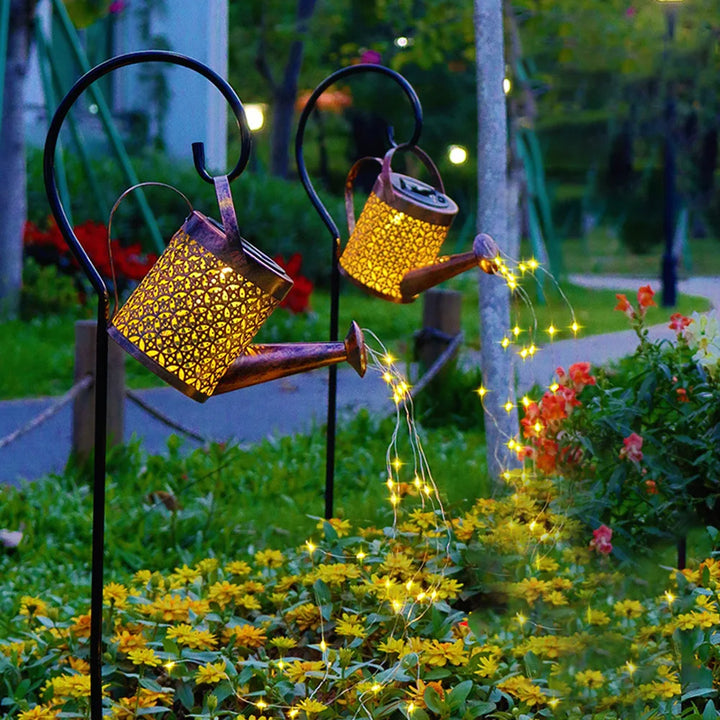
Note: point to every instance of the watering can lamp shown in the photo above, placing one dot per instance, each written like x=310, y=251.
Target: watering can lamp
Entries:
x=393, y=248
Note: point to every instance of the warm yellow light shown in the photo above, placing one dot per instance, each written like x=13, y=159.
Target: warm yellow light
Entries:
x=507, y=475
x=522, y=267
x=507, y=86
x=481, y=391
x=533, y=264
x=508, y=406
x=505, y=342
x=396, y=606
x=390, y=484
x=311, y=548
x=538, y=427
x=323, y=646
x=261, y=704
x=376, y=688
x=516, y=331
x=669, y=597
x=255, y=114
x=532, y=350
x=417, y=482
x=554, y=387
x=293, y=713
x=553, y=702
x=457, y=154
x=388, y=359
x=511, y=444
x=575, y=327
x=521, y=619
x=387, y=377
x=523, y=353
x=394, y=499
x=427, y=490
x=411, y=708
x=551, y=330
x=526, y=401
x=169, y=665
x=631, y=668
x=401, y=42
x=360, y=555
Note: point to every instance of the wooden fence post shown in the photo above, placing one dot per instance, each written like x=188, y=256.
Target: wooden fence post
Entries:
x=83, y=432
x=441, y=323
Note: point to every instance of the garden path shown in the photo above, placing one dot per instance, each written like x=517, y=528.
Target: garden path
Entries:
x=293, y=404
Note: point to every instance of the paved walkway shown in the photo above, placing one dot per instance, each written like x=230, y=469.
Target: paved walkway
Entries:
x=289, y=405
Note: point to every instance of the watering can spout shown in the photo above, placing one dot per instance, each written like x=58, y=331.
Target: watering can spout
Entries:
x=483, y=255
x=261, y=363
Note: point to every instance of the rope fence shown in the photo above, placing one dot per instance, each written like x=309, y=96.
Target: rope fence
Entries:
x=448, y=320
x=83, y=384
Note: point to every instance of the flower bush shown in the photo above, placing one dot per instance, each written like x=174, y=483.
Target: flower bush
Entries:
x=497, y=613
x=639, y=450
x=48, y=247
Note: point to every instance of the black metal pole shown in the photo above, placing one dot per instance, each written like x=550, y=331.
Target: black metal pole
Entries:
x=101, y=362
x=335, y=234
x=669, y=258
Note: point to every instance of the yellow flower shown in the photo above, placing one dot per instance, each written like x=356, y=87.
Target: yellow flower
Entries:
x=688, y=621
x=524, y=690
x=79, y=665
x=443, y=588
x=546, y=564
x=487, y=667
x=392, y=646
x=211, y=673
x=592, y=679
x=530, y=589
x=416, y=694
x=81, y=626
x=350, y=626
x=269, y=558
x=306, y=617
x=206, y=566
x=252, y=587
x=283, y=643
x=335, y=574
x=629, y=609
x=127, y=640
x=184, y=576
x=144, y=656
x=174, y=608
x=556, y=598
x=663, y=689
x=248, y=602
x=597, y=617
x=115, y=594
x=142, y=577
x=247, y=635
x=310, y=706
x=341, y=527
x=238, y=567
x=31, y=606
x=223, y=593
x=126, y=708
x=440, y=653
x=70, y=686
x=300, y=670
x=397, y=563
x=39, y=712
x=192, y=637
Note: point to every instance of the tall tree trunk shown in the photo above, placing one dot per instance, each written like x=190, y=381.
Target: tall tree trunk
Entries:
x=13, y=202
x=285, y=94
x=497, y=368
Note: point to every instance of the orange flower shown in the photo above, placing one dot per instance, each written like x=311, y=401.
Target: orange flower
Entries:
x=645, y=298
x=624, y=305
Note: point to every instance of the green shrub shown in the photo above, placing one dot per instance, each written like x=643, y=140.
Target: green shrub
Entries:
x=46, y=291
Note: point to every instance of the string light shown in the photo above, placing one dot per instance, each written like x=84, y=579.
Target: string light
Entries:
x=261, y=705
x=533, y=264
x=505, y=342
x=631, y=668
x=311, y=547
x=669, y=598
x=360, y=555
x=526, y=401
x=508, y=406
x=551, y=330
x=575, y=327
x=481, y=391
x=516, y=331
x=521, y=619
x=554, y=387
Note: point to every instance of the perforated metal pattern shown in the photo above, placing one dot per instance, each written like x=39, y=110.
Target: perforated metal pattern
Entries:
x=386, y=244
x=192, y=315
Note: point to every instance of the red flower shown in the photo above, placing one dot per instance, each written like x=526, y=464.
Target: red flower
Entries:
x=645, y=298
x=624, y=305
x=601, y=540
x=632, y=450
x=298, y=299
x=651, y=487
x=679, y=322
x=580, y=375
x=682, y=395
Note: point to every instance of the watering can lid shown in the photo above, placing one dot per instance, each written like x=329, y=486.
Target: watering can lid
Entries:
x=420, y=193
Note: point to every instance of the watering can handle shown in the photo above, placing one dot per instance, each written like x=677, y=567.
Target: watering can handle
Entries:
x=350, y=186
x=123, y=195
x=227, y=212
x=424, y=157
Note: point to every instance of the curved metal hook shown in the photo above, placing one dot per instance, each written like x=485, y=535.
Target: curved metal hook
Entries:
x=310, y=105
x=198, y=148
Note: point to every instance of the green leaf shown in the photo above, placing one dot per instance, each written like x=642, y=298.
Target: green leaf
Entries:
x=322, y=592
x=433, y=700
x=482, y=708
x=458, y=695
x=709, y=713
x=184, y=694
